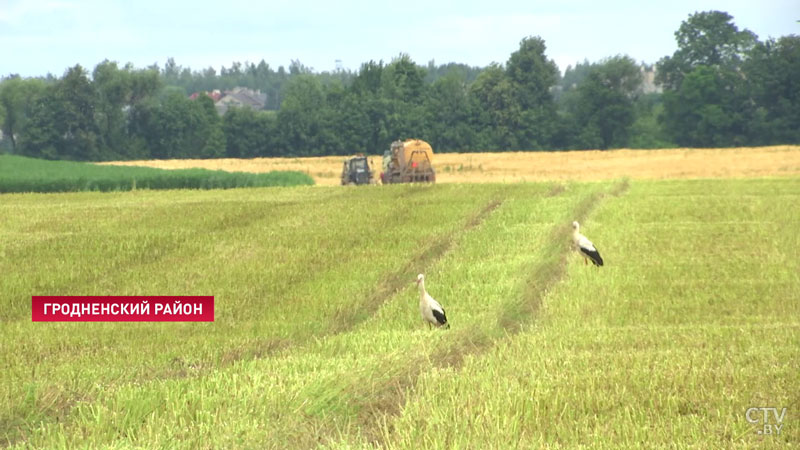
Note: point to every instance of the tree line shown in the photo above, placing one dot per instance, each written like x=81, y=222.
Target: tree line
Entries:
x=722, y=87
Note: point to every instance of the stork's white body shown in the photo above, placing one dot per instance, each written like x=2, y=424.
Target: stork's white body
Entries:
x=431, y=311
x=585, y=246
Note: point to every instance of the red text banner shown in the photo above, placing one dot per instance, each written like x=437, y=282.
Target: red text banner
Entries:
x=158, y=308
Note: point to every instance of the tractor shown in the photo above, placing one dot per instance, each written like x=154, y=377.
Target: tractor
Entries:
x=356, y=171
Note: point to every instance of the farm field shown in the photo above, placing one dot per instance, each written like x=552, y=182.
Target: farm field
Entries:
x=21, y=174
x=318, y=342
x=541, y=166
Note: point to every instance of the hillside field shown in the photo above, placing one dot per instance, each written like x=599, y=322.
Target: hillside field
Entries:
x=317, y=342
x=540, y=166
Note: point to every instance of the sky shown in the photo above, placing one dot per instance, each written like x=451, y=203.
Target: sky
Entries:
x=38, y=37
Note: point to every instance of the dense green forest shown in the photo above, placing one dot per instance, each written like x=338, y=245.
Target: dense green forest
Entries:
x=722, y=87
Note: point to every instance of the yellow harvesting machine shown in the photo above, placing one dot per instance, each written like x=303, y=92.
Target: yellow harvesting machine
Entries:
x=407, y=162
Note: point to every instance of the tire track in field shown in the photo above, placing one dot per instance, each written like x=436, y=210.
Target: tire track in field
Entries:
x=396, y=280
x=348, y=318
x=552, y=269
x=378, y=403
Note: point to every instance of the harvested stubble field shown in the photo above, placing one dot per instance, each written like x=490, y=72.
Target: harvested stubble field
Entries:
x=541, y=166
x=694, y=319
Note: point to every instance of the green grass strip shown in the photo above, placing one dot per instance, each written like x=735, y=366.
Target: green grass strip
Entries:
x=20, y=174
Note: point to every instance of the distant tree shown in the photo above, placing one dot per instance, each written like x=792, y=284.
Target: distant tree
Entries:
x=17, y=99
x=210, y=130
x=532, y=76
x=497, y=111
x=3, y=142
x=62, y=124
x=182, y=128
x=403, y=88
x=706, y=102
x=139, y=121
x=772, y=73
x=574, y=76
x=248, y=133
x=366, y=109
x=208, y=80
x=165, y=126
x=646, y=131
x=403, y=80
x=119, y=92
x=171, y=72
x=114, y=92
x=300, y=117
x=369, y=78
x=269, y=82
x=448, y=115
x=145, y=88
x=710, y=109
x=144, y=84
x=41, y=135
x=297, y=68
x=705, y=39
x=77, y=97
x=532, y=73
x=467, y=74
x=604, y=105
x=347, y=128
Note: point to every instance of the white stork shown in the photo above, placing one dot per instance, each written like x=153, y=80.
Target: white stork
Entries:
x=432, y=312
x=585, y=246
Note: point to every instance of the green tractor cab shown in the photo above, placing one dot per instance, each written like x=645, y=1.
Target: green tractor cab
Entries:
x=357, y=171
